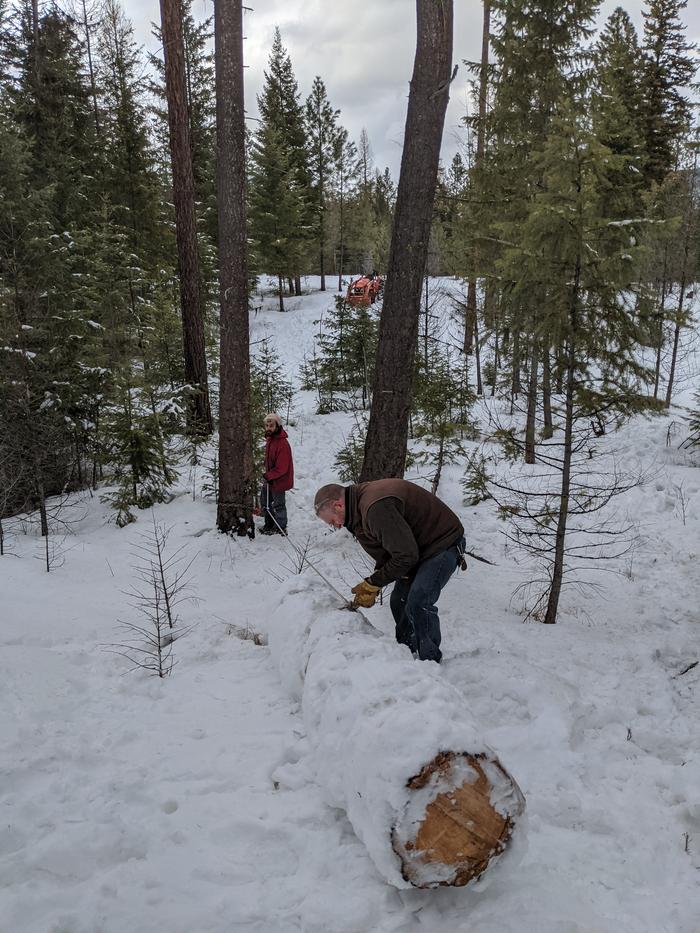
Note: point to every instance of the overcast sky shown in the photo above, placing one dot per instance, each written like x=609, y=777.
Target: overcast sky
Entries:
x=364, y=53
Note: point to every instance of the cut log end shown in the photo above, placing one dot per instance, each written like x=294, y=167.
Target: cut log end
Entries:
x=460, y=815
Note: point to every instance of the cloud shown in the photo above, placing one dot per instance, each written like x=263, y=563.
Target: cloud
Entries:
x=364, y=53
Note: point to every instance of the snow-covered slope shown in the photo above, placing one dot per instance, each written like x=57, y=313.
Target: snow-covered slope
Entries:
x=134, y=805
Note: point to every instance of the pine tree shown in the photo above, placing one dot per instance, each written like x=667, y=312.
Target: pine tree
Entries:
x=539, y=57
x=585, y=259
x=131, y=180
x=670, y=66
x=282, y=113
x=276, y=208
x=141, y=460
x=236, y=470
x=201, y=106
x=617, y=107
x=346, y=172
x=191, y=297
x=323, y=132
x=52, y=341
x=387, y=434
x=343, y=367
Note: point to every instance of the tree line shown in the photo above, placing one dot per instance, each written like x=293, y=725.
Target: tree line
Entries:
x=109, y=237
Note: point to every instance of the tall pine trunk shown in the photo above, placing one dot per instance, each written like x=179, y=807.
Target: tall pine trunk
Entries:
x=662, y=315
x=341, y=249
x=676, y=340
x=236, y=477
x=280, y=284
x=200, y=421
x=470, y=322
x=91, y=69
x=548, y=430
x=530, y=423
x=683, y=283
x=477, y=359
x=322, y=229
x=387, y=434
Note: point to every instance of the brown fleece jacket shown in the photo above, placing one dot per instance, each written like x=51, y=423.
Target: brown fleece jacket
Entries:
x=400, y=525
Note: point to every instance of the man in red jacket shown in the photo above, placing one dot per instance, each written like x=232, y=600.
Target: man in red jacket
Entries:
x=277, y=478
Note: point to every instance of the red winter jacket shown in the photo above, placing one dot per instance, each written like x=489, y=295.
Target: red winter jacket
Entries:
x=279, y=467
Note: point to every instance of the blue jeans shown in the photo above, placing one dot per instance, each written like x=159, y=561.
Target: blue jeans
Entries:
x=413, y=602
x=274, y=508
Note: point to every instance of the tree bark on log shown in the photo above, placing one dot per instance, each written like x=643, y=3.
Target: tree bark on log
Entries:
x=390, y=743
x=387, y=433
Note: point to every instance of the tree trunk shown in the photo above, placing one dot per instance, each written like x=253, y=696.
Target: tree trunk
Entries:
x=91, y=70
x=342, y=241
x=547, y=397
x=281, y=291
x=480, y=145
x=515, y=377
x=387, y=434
x=530, y=423
x=477, y=358
x=322, y=230
x=297, y=284
x=236, y=477
x=662, y=315
x=676, y=339
x=200, y=420
x=683, y=283
x=562, y=518
x=470, y=318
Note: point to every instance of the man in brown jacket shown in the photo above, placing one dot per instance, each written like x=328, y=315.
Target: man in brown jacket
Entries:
x=417, y=543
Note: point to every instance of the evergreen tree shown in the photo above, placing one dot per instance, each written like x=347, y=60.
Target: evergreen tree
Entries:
x=342, y=368
x=585, y=259
x=199, y=69
x=617, y=107
x=276, y=208
x=323, y=131
x=131, y=180
x=282, y=113
x=346, y=166
x=669, y=69
x=538, y=52
x=51, y=337
x=142, y=462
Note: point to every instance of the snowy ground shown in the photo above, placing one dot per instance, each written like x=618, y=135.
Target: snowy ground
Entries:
x=134, y=805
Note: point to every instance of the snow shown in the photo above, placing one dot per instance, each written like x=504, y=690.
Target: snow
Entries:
x=368, y=739
x=213, y=801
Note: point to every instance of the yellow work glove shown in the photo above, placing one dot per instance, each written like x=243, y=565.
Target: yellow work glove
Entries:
x=365, y=595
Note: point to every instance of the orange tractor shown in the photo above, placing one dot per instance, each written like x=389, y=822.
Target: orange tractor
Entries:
x=365, y=290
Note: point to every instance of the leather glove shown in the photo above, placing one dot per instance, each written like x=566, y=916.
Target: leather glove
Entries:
x=365, y=595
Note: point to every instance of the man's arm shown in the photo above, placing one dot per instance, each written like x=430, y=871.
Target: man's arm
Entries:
x=386, y=523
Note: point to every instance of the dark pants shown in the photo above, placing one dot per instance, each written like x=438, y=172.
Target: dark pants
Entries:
x=274, y=508
x=413, y=603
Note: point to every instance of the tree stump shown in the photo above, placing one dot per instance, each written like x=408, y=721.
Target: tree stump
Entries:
x=452, y=838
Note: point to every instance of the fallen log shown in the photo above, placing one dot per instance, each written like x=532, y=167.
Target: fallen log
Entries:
x=392, y=744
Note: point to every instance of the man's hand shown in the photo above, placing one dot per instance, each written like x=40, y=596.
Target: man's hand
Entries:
x=365, y=595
